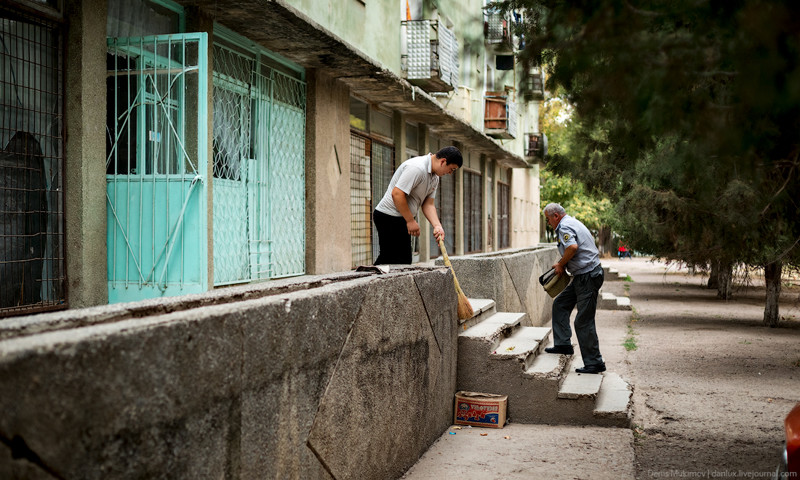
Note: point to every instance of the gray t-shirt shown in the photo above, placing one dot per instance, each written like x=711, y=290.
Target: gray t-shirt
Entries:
x=570, y=231
x=414, y=177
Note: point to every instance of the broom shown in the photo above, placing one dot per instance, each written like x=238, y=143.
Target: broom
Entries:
x=464, y=308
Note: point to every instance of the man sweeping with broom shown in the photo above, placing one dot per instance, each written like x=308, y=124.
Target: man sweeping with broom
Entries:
x=413, y=186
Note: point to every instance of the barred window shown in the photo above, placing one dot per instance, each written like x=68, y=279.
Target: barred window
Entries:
x=31, y=164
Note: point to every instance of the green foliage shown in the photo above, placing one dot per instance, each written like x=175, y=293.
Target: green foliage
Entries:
x=593, y=210
x=571, y=194
x=685, y=116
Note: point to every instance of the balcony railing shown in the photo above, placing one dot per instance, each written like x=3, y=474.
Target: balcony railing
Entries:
x=536, y=147
x=534, y=84
x=500, y=117
x=499, y=30
x=430, y=56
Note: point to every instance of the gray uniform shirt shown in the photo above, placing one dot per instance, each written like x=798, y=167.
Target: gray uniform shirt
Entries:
x=414, y=177
x=570, y=232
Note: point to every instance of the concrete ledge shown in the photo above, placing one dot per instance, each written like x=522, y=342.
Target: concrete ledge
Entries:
x=266, y=387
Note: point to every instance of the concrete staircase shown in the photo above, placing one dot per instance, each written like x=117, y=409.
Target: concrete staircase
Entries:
x=497, y=354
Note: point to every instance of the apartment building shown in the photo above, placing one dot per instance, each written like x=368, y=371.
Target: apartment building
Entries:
x=155, y=148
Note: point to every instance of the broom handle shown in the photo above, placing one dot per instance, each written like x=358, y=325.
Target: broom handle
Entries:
x=450, y=266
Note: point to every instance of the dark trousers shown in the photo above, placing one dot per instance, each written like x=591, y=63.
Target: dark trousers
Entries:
x=582, y=291
x=394, y=242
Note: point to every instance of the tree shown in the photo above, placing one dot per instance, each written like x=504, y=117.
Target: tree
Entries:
x=592, y=210
x=686, y=116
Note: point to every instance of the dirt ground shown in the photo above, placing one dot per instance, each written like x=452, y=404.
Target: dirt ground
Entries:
x=712, y=384
x=711, y=389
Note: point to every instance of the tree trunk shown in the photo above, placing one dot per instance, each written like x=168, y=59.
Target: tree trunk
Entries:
x=713, y=278
x=725, y=281
x=772, y=275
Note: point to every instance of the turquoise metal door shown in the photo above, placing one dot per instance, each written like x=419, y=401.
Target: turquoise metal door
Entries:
x=156, y=166
x=259, y=167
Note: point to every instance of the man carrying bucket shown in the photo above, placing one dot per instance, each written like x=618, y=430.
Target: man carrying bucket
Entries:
x=580, y=257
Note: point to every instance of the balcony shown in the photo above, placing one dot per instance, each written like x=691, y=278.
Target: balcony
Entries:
x=535, y=147
x=497, y=29
x=500, y=117
x=430, y=55
x=533, y=85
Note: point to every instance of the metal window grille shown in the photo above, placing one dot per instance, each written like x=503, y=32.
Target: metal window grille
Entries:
x=382, y=166
x=259, y=168
x=473, y=201
x=156, y=164
x=490, y=207
x=32, y=276
x=431, y=50
x=503, y=237
x=446, y=209
x=360, y=200
x=371, y=170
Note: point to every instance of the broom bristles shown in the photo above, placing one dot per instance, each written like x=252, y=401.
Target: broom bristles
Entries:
x=465, y=311
x=464, y=308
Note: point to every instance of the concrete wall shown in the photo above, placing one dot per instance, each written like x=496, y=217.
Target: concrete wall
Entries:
x=344, y=376
x=327, y=175
x=85, y=164
x=510, y=278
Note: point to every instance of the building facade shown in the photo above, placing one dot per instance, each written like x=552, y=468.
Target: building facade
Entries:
x=154, y=148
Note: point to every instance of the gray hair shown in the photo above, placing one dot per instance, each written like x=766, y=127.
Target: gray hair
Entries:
x=552, y=208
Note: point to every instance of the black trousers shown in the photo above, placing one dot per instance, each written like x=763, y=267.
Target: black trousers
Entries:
x=394, y=242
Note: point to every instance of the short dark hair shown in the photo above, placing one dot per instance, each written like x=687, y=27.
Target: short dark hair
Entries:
x=451, y=155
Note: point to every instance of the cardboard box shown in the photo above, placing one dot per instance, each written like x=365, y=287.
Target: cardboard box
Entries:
x=481, y=409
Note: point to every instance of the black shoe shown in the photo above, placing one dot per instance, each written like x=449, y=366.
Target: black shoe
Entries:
x=601, y=367
x=560, y=349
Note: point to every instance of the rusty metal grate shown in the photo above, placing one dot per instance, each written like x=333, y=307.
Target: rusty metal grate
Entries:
x=360, y=200
x=473, y=211
x=503, y=240
x=31, y=165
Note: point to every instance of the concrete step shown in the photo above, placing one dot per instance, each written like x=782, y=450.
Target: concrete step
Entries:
x=499, y=355
x=613, y=403
x=609, y=301
x=523, y=346
x=493, y=326
x=613, y=273
x=580, y=385
x=482, y=308
x=476, y=344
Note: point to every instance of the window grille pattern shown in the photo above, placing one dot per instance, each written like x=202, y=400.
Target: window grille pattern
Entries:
x=31, y=165
x=503, y=237
x=259, y=169
x=473, y=201
x=382, y=170
x=431, y=50
x=360, y=200
x=155, y=165
x=371, y=170
x=445, y=202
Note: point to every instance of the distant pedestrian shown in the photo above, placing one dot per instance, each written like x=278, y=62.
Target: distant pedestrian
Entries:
x=413, y=186
x=580, y=257
x=623, y=251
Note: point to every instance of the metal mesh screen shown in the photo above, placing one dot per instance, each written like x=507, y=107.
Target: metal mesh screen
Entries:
x=360, y=200
x=473, y=199
x=259, y=169
x=382, y=170
x=503, y=236
x=446, y=209
x=31, y=165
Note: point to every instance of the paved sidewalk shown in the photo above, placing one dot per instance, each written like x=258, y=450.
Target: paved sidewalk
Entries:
x=541, y=451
